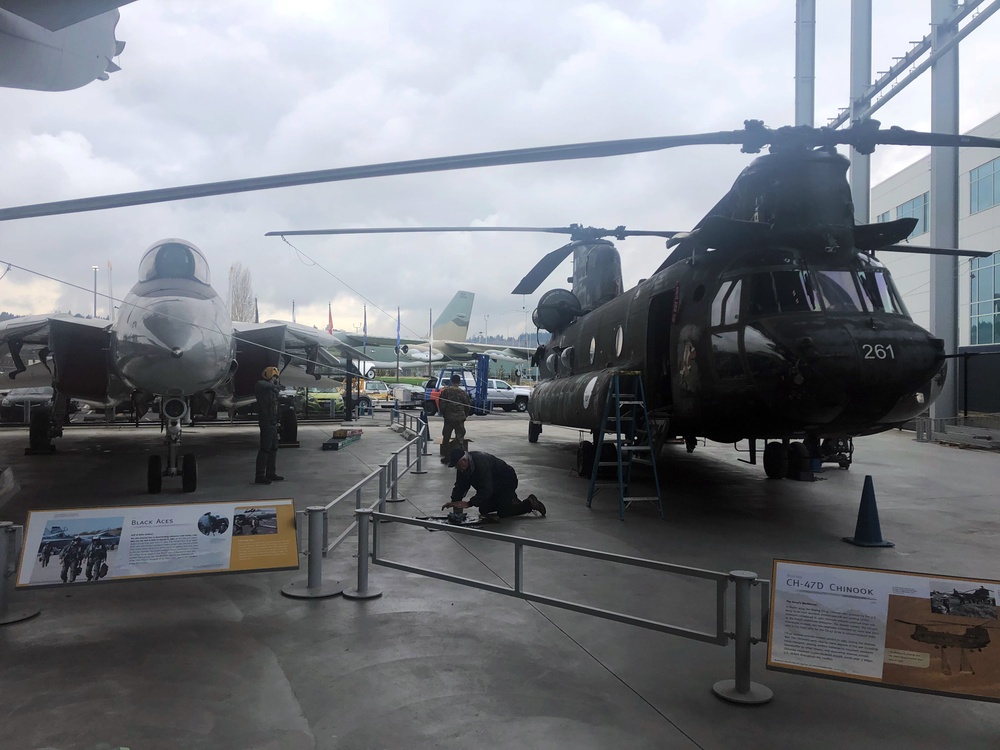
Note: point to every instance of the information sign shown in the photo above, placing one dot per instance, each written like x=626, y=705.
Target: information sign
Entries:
x=906, y=630
x=116, y=543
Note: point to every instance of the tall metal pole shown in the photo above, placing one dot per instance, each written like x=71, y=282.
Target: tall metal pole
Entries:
x=805, y=64
x=861, y=73
x=944, y=201
x=96, y=269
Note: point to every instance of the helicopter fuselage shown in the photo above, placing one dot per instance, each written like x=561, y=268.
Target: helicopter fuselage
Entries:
x=773, y=342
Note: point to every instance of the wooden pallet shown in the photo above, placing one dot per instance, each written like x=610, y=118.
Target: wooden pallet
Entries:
x=335, y=444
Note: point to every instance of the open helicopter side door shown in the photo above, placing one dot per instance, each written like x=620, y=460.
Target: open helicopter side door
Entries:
x=659, y=391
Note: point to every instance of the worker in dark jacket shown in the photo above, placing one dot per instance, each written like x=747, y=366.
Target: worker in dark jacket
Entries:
x=267, y=390
x=495, y=483
x=455, y=406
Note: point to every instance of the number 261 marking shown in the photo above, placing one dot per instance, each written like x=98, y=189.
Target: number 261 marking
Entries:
x=879, y=351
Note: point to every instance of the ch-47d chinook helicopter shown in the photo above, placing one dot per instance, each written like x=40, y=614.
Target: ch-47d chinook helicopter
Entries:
x=772, y=319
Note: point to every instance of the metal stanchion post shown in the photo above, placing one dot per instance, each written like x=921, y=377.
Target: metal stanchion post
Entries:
x=383, y=473
x=426, y=429
x=314, y=587
x=363, y=591
x=394, y=492
x=11, y=538
x=420, y=454
x=742, y=690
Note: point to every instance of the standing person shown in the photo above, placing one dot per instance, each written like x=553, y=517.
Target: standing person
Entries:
x=495, y=482
x=267, y=390
x=97, y=555
x=455, y=406
x=47, y=551
x=71, y=556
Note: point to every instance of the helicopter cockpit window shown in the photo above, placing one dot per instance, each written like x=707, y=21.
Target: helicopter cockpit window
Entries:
x=174, y=260
x=726, y=305
x=782, y=291
x=880, y=293
x=838, y=290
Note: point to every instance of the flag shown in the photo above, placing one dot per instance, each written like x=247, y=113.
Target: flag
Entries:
x=397, y=328
x=329, y=326
x=364, y=330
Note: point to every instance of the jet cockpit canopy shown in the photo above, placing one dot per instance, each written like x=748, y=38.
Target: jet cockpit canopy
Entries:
x=174, y=259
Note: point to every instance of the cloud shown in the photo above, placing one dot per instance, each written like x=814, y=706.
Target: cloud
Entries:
x=222, y=90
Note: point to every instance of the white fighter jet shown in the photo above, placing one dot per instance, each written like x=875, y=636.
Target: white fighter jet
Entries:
x=173, y=338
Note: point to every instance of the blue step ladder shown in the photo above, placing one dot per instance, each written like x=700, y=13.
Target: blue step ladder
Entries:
x=624, y=412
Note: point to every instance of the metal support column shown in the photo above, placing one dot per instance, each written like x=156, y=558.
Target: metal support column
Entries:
x=11, y=538
x=944, y=201
x=313, y=586
x=805, y=62
x=861, y=74
x=742, y=690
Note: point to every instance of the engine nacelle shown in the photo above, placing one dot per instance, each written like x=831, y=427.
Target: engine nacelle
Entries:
x=556, y=309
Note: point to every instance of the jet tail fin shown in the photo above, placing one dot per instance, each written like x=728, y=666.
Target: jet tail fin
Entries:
x=453, y=323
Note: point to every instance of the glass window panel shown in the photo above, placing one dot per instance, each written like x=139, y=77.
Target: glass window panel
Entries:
x=974, y=284
x=719, y=302
x=838, y=290
x=986, y=330
x=985, y=193
x=790, y=288
x=762, y=299
x=985, y=286
x=974, y=332
x=731, y=313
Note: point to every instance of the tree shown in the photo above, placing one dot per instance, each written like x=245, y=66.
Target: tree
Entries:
x=241, y=301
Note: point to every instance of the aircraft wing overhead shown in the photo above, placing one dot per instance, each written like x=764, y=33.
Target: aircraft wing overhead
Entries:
x=76, y=348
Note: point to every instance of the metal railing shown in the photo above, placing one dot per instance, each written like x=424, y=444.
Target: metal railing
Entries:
x=741, y=689
x=369, y=519
x=386, y=477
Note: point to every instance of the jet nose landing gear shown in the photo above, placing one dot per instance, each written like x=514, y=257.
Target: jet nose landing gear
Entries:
x=173, y=412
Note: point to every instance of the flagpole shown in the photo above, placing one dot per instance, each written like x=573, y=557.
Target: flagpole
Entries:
x=397, y=344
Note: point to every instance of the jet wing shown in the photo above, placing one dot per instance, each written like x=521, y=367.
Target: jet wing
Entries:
x=68, y=353
x=466, y=350
x=302, y=354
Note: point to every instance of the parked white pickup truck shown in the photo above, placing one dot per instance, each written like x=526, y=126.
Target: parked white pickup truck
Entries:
x=508, y=396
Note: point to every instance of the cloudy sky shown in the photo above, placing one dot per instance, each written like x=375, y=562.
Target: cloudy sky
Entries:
x=224, y=90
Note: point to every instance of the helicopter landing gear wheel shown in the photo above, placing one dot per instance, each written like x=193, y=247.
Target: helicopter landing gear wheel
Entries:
x=154, y=475
x=189, y=473
x=38, y=431
x=585, y=454
x=775, y=461
x=798, y=460
x=690, y=442
x=534, y=430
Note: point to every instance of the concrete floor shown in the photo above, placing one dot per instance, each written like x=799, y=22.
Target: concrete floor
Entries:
x=227, y=662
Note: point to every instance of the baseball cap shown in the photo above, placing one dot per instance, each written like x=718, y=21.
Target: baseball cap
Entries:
x=455, y=456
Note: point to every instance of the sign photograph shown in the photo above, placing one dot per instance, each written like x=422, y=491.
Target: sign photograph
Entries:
x=911, y=631
x=97, y=544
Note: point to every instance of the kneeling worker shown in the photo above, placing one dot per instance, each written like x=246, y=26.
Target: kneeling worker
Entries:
x=495, y=483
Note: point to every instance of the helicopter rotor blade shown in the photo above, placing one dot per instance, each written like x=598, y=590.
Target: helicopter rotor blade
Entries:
x=415, y=230
x=543, y=268
x=918, y=250
x=863, y=137
x=577, y=231
x=416, y=166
